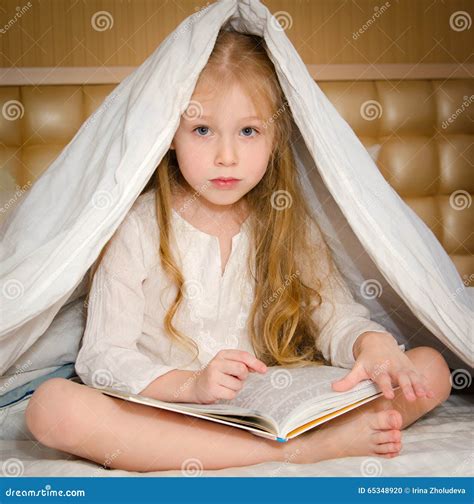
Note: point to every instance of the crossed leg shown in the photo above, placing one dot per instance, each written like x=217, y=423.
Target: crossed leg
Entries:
x=119, y=434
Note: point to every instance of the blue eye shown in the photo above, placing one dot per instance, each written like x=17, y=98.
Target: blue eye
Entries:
x=200, y=127
x=206, y=128
x=249, y=128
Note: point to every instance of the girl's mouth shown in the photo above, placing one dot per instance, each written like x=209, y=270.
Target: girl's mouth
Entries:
x=225, y=183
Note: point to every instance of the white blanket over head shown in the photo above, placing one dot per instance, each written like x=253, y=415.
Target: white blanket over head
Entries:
x=390, y=259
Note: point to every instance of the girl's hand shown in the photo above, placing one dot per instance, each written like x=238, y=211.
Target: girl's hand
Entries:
x=381, y=361
x=224, y=375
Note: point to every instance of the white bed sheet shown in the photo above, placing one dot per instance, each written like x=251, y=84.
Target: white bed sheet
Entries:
x=438, y=444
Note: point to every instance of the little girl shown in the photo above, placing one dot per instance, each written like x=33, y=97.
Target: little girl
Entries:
x=219, y=270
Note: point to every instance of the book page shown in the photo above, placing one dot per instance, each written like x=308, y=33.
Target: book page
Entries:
x=279, y=395
x=282, y=390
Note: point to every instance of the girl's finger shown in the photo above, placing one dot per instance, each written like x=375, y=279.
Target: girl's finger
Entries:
x=243, y=356
x=417, y=384
x=230, y=382
x=238, y=369
x=385, y=384
x=429, y=391
x=405, y=384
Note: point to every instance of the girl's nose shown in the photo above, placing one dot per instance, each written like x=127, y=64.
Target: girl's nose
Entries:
x=226, y=153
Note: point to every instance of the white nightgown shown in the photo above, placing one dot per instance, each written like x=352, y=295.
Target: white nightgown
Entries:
x=125, y=345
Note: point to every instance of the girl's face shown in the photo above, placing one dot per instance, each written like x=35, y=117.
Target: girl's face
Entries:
x=222, y=138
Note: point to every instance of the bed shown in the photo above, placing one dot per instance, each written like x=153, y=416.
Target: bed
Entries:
x=401, y=142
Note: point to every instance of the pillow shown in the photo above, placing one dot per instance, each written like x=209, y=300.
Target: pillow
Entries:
x=53, y=354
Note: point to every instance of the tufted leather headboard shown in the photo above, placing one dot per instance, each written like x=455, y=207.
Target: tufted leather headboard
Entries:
x=419, y=131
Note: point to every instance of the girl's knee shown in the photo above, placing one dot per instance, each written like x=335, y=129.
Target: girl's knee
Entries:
x=49, y=414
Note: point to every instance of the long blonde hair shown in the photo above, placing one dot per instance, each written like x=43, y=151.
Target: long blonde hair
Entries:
x=280, y=323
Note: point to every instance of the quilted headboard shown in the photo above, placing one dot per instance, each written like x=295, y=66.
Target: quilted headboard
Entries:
x=420, y=132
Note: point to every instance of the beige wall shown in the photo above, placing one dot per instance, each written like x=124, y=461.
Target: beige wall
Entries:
x=50, y=33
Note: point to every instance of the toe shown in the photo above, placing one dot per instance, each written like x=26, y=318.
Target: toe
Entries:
x=389, y=455
x=396, y=419
x=387, y=436
x=387, y=448
x=388, y=419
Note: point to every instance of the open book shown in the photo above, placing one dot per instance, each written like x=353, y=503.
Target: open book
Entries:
x=279, y=404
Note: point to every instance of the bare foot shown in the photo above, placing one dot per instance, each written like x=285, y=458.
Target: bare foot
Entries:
x=353, y=434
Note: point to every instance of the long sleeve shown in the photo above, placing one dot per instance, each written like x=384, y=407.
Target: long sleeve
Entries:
x=109, y=355
x=339, y=317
